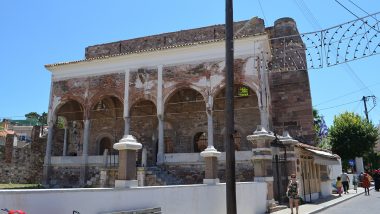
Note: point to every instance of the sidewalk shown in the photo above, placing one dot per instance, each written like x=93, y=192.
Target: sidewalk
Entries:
x=324, y=203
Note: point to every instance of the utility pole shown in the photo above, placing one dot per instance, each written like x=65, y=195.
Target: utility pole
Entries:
x=365, y=99
x=229, y=112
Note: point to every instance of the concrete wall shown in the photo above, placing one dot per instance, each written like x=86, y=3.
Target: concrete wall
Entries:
x=251, y=198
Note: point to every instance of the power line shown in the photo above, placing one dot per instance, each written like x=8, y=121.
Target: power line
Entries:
x=262, y=11
x=345, y=95
x=339, y=105
x=363, y=10
x=314, y=22
x=356, y=16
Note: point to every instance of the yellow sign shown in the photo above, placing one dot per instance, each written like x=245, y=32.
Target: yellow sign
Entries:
x=243, y=91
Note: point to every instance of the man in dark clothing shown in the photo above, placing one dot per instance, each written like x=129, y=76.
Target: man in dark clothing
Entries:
x=345, y=181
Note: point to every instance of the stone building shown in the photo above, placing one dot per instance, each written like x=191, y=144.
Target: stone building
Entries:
x=167, y=90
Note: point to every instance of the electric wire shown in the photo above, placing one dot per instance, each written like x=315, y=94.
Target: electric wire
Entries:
x=356, y=15
x=314, y=22
x=345, y=95
x=363, y=10
x=262, y=11
x=339, y=105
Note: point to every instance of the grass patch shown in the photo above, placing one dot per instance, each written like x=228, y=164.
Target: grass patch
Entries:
x=21, y=186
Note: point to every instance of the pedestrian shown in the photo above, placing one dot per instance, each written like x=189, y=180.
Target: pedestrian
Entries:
x=293, y=193
x=345, y=182
x=339, y=185
x=355, y=183
x=366, y=183
x=360, y=179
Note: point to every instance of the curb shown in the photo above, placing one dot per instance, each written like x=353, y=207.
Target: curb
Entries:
x=331, y=205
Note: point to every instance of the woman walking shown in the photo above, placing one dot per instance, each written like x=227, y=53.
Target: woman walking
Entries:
x=293, y=193
x=366, y=183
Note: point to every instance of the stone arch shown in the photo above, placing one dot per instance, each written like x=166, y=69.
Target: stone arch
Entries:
x=67, y=103
x=72, y=112
x=238, y=132
x=103, y=94
x=199, y=142
x=100, y=148
x=185, y=108
x=136, y=99
x=144, y=122
x=181, y=86
x=106, y=116
x=247, y=114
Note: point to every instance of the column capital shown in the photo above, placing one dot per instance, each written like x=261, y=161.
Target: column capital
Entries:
x=210, y=151
x=128, y=142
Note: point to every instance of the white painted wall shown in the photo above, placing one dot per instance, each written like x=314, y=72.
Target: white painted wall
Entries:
x=196, y=158
x=186, y=199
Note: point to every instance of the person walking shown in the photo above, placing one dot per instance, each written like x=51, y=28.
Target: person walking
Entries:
x=345, y=182
x=293, y=193
x=339, y=185
x=355, y=183
x=366, y=183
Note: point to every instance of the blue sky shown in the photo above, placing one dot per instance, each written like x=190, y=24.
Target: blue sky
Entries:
x=39, y=32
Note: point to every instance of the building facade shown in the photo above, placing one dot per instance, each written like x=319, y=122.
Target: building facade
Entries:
x=168, y=91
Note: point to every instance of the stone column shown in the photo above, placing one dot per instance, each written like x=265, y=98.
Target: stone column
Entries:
x=47, y=161
x=262, y=160
x=210, y=154
x=160, y=116
x=127, y=119
x=65, y=142
x=86, y=133
x=291, y=159
x=127, y=147
x=144, y=157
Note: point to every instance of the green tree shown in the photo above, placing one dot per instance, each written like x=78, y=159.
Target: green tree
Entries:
x=42, y=120
x=37, y=118
x=32, y=116
x=352, y=136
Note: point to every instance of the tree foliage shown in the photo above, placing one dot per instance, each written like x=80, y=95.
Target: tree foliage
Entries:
x=352, y=136
x=39, y=119
x=316, y=126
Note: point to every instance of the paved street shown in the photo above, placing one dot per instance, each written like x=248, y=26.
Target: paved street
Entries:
x=359, y=204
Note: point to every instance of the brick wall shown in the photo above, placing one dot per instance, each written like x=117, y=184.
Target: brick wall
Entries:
x=250, y=27
x=289, y=83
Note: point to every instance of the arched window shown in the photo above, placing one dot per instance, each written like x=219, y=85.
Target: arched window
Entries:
x=105, y=143
x=200, y=142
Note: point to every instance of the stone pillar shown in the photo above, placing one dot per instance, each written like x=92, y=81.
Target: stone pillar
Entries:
x=262, y=160
x=160, y=116
x=65, y=142
x=127, y=119
x=47, y=161
x=127, y=125
x=127, y=147
x=210, y=154
x=140, y=176
x=86, y=133
x=291, y=159
x=359, y=165
x=161, y=144
x=144, y=157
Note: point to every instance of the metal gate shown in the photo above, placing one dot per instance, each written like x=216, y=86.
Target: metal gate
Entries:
x=280, y=175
